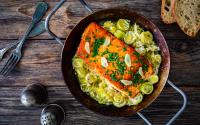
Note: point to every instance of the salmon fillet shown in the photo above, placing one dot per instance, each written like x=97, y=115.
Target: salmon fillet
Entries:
x=96, y=42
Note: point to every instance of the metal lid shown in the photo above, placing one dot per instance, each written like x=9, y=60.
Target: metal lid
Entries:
x=53, y=114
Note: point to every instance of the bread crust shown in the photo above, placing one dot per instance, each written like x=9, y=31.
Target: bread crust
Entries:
x=167, y=16
x=179, y=22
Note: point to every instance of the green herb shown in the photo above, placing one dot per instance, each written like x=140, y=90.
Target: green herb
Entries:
x=130, y=72
x=88, y=39
x=97, y=44
x=136, y=61
x=136, y=78
x=121, y=66
x=112, y=57
x=137, y=54
x=145, y=67
x=107, y=71
x=113, y=77
x=95, y=60
x=124, y=49
x=129, y=93
x=105, y=52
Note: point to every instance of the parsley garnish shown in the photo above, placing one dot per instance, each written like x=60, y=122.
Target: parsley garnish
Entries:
x=137, y=54
x=145, y=67
x=112, y=57
x=113, y=77
x=121, y=66
x=97, y=44
x=88, y=39
x=124, y=49
x=105, y=52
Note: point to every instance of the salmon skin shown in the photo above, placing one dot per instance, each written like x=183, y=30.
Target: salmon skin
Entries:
x=98, y=44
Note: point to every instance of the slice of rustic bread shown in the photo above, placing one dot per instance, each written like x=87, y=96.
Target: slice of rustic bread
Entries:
x=187, y=15
x=166, y=11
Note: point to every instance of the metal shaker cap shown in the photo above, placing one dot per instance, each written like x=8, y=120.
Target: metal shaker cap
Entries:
x=34, y=94
x=53, y=114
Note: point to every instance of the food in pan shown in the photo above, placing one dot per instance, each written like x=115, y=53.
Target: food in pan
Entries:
x=117, y=62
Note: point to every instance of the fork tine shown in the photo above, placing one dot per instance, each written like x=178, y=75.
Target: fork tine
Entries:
x=12, y=66
x=6, y=64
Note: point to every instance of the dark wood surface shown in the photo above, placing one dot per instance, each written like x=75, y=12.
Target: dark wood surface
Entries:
x=41, y=64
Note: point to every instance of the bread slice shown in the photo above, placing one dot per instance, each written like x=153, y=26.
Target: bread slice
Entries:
x=187, y=15
x=166, y=11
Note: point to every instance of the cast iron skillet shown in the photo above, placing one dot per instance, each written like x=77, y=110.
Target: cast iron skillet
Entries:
x=72, y=43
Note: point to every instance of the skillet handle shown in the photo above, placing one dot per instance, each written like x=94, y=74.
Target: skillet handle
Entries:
x=51, y=14
x=48, y=19
x=180, y=110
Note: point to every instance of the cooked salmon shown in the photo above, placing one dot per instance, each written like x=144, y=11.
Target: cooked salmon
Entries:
x=105, y=55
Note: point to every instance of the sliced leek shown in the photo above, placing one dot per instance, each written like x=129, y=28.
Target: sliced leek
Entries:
x=136, y=100
x=119, y=34
x=129, y=37
x=123, y=24
x=77, y=62
x=153, y=79
x=146, y=88
x=91, y=77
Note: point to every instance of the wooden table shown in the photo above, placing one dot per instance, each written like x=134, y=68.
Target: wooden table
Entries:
x=41, y=64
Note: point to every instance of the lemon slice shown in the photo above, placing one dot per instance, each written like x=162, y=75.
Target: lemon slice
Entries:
x=123, y=24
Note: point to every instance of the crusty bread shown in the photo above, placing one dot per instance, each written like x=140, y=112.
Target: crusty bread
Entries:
x=166, y=12
x=187, y=15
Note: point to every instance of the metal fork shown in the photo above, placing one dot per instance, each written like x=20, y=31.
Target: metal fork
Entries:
x=38, y=29
x=16, y=54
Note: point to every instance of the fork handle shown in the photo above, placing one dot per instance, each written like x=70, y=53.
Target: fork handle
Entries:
x=37, y=16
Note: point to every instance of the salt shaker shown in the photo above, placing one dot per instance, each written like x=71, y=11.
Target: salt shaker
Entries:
x=52, y=114
x=34, y=94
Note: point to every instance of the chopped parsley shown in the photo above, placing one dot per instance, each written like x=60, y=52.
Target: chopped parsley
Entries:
x=88, y=39
x=137, y=54
x=97, y=44
x=121, y=66
x=113, y=77
x=105, y=52
x=124, y=49
x=145, y=67
x=130, y=72
x=112, y=57
x=129, y=93
x=137, y=79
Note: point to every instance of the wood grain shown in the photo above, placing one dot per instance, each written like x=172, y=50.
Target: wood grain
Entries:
x=72, y=12
x=77, y=114
x=41, y=64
